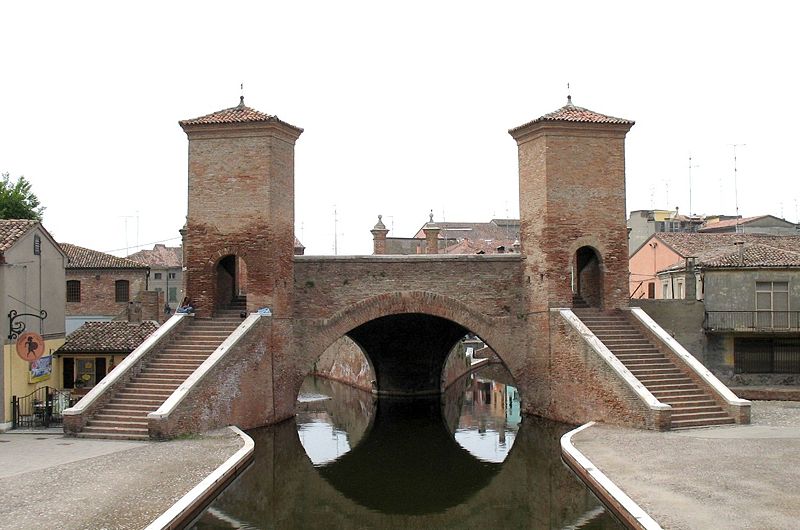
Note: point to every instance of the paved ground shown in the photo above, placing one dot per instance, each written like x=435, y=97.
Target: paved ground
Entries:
x=49, y=481
x=732, y=477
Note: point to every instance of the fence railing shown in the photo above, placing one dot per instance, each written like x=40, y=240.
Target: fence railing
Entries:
x=771, y=321
x=40, y=408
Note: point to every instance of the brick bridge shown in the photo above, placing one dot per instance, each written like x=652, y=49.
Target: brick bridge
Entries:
x=406, y=312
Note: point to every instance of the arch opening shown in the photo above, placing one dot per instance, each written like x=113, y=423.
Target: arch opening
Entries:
x=230, y=280
x=587, y=278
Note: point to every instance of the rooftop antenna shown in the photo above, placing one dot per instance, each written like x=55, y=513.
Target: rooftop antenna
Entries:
x=691, y=211
x=735, y=184
x=335, y=232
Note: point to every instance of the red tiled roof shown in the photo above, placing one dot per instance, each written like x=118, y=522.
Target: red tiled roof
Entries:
x=161, y=256
x=84, y=258
x=13, y=229
x=108, y=337
x=480, y=246
x=719, y=251
x=573, y=113
x=238, y=114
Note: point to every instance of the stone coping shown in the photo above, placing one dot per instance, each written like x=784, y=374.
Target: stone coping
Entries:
x=191, y=505
x=688, y=359
x=127, y=363
x=171, y=403
x=632, y=515
x=405, y=258
x=602, y=350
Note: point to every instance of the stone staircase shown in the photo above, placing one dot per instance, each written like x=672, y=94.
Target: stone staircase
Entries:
x=691, y=405
x=124, y=416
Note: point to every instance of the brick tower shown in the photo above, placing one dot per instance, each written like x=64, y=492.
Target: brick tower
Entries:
x=572, y=208
x=240, y=224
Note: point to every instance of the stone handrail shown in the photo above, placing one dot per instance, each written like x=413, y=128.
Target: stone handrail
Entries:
x=127, y=363
x=611, y=360
x=689, y=360
x=217, y=356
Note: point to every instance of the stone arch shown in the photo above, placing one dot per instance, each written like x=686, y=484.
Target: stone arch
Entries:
x=587, y=272
x=402, y=303
x=228, y=272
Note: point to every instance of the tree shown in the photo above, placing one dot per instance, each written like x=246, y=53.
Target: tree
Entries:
x=17, y=201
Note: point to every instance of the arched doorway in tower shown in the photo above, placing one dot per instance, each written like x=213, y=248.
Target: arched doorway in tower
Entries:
x=587, y=277
x=231, y=280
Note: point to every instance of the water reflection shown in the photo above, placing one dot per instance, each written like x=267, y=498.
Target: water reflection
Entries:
x=465, y=462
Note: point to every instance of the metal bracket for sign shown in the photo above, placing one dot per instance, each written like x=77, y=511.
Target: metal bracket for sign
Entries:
x=15, y=329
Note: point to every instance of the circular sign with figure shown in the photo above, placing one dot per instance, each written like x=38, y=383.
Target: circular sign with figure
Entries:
x=30, y=346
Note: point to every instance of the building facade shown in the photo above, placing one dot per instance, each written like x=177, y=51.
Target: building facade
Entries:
x=32, y=293
x=101, y=287
x=166, y=273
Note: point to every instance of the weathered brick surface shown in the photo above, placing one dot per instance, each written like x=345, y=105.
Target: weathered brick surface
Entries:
x=577, y=371
x=98, y=290
x=236, y=391
x=572, y=194
x=241, y=203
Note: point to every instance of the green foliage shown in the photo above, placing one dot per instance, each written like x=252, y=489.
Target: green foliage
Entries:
x=17, y=201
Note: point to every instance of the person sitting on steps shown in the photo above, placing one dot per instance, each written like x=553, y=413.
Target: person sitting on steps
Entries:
x=187, y=306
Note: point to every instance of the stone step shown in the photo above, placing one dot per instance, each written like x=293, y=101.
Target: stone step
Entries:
x=672, y=396
x=695, y=403
x=707, y=422
x=667, y=370
x=671, y=386
x=137, y=397
x=117, y=410
x=160, y=379
x=137, y=385
x=654, y=379
x=113, y=436
x=118, y=422
x=115, y=430
x=630, y=364
x=704, y=409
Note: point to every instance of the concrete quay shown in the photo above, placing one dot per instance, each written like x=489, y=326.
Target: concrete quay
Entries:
x=732, y=477
x=50, y=481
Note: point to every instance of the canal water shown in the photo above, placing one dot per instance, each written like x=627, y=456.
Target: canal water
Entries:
x=466, y=460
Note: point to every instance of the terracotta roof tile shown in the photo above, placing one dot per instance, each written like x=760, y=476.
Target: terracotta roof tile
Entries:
x=575, y=114
x=160, y=256
x=108, y=337
x=480, y=246
x=12, y=229
x=719, y=251
x=238, y=114
x=84, y=258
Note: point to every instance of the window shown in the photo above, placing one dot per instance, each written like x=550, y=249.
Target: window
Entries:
x=73, y=291
x=651, y=290
x=173, y=294
x=772, y=304
x=83, y=372
x=172, y=275
x=157, y=276
x=121, y=291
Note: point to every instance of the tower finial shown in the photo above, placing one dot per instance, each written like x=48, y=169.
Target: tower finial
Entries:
x=241, y=95
x=569, y=96
x=431, y=216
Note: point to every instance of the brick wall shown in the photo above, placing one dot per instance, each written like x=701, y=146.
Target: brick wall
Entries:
x=241, y=203
x=98, y=291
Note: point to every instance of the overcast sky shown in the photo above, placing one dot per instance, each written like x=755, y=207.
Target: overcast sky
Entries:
x=405, y=105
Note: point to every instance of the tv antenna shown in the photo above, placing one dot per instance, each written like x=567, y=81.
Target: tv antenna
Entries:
x=691, y=211
x=735, y=184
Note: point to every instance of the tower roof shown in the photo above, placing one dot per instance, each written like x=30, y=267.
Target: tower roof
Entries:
x=238, y=114
x=573, y=113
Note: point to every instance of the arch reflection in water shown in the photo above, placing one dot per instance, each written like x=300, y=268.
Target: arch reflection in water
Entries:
x=405, y=469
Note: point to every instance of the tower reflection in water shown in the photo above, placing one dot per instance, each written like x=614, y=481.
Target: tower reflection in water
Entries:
x=466, y=460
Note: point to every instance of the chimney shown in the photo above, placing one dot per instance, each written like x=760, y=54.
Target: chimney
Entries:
x=690, y=281
x=740, y=245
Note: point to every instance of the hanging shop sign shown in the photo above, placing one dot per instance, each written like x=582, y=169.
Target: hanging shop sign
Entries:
x=30, y=346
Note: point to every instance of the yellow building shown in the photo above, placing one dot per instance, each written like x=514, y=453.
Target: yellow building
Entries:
x=32, y=299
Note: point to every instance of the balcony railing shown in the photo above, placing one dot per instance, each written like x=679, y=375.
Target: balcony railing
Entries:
x=753, y=321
